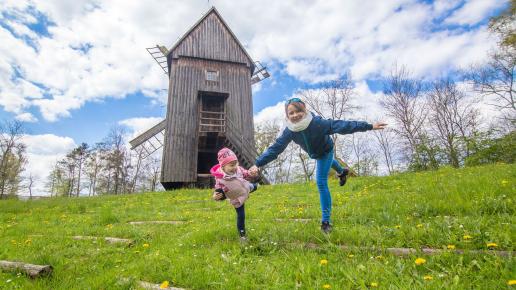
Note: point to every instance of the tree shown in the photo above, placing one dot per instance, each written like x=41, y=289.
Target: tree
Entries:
x=154, y=168
x=504, y=25
x=306, y=164
x=488, y=149
x=93, y=168
x=403, y=102
x=365, y=159
x=54, y=181
x=139, y=159
x=496, y=77
x=452, y=119
x=67, y=166
x=30, y=183
x=386, y=143
x=12, y=158
x=116, y=162
x=265, y=135
x=332, y=100
x=80, y=155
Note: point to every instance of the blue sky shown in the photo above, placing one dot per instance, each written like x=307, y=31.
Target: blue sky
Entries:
x=71, y=70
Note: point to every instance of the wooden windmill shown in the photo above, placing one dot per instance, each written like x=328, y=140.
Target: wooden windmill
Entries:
x=209, y=103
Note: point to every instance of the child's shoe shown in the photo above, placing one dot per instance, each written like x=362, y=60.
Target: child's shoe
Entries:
x=343, y=176
x=326, y=227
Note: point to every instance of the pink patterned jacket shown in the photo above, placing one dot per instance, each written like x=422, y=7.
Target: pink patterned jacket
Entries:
x=236, y=187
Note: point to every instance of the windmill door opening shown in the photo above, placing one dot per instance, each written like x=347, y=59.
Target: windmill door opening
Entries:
x=212, y=128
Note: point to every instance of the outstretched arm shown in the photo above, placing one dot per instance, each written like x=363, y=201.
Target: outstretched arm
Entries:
x=349, y=127
x=275, y=149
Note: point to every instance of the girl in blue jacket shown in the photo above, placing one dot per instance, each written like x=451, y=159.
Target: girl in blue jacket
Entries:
x=312, y=133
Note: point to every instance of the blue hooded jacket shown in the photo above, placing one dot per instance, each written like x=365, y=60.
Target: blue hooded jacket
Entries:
x=315, y=139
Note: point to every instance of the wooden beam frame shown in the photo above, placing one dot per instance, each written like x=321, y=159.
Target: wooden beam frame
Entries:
x=148, y=134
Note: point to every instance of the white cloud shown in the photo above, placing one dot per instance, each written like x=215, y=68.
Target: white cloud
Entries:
x=95, y=50
x=43, y=151
x=273, y=114
x=369, y=104
x=474, y=11
x=139, y=125
x=26, y=117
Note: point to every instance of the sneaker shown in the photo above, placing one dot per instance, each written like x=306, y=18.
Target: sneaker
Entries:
x=243, y=240
x=343, y=176
x=326, y=227
x=255, y=187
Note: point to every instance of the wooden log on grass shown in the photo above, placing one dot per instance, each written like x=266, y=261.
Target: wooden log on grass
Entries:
x=412, y=251
x=294, y=220
x=110, y=240
x=155, y=222
x=430, y=252
x=31, y=270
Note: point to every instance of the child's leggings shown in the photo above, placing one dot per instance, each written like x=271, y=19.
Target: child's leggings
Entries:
x=241, y=220
x=323, y=165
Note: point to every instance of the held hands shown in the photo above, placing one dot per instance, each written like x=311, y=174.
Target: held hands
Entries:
x=379, y=126
x=253, y=171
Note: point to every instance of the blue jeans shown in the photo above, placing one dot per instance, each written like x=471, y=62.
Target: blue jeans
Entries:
x=323, y=165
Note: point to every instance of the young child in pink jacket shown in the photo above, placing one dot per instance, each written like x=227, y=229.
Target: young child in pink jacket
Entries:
x=233, y=182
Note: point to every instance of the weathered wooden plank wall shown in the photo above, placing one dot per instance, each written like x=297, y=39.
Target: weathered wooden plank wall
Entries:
x=211, y=40
x=210, y=46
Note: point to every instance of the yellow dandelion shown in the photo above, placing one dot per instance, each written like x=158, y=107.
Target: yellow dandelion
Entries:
x=505, y=182
x=323, y=262
x=374, y=284
x=146, y=245
x=450, y=247
x=420, y=261
x=326, y=286
x=419, y=225
x=379, y=257
x=351, y=256
x=492, y=245
x=397, y=226
x=511, y=282
x=428, y=277
x=163, y=285
x=467, y=237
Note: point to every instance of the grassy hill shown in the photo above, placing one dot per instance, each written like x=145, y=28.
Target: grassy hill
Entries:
x=465, y=209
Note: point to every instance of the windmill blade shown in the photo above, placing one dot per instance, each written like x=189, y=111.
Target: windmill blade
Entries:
x=151, y=140
x=260, y=73
x=159, y=54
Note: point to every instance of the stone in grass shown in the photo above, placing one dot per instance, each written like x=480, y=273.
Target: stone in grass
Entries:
x=33, y=271
x=147, y=285
x=150, y=286
x=110, y=240
x=410, y=251
x=156, y=222
x=295, y=220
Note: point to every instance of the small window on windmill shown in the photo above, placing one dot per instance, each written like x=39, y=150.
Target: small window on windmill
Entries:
x=212, y=75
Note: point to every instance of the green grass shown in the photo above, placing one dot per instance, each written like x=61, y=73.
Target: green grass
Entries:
x=430, y=209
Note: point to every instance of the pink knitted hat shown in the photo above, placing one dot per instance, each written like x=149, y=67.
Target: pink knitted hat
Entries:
x=225, y=156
